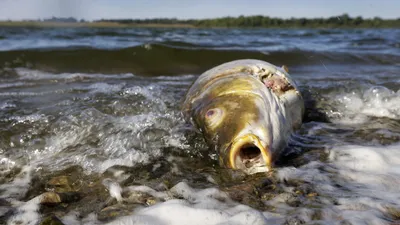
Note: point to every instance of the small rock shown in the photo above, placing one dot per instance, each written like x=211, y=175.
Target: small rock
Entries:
x=51, y=198
x=59, y=184
x=151, y=201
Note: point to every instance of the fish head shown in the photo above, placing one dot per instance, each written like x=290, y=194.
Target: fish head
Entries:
x=236, y=121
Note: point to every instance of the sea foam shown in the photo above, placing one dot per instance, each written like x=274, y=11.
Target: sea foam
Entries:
x=359, y=184
x=376, y=101
x=204, y=206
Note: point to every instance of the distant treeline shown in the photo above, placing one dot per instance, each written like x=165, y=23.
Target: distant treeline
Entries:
x=268, y=22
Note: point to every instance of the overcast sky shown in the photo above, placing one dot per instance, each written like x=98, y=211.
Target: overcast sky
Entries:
x=184, y=9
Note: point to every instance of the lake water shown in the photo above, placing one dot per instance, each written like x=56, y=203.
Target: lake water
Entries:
x=95, y=114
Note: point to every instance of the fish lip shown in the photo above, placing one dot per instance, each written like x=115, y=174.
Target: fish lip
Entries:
x=249, y=140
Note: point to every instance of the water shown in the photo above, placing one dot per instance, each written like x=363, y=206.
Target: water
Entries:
x=100, y=109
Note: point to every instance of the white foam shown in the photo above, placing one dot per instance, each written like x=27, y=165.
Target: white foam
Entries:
x=16, y=84
x=29, y=118
x=150, y=191
x=207, y=206
x=24, y=93
x=114, y=188
x=149, y=92
x=364, y=180
x=106, y=88
x=377, y=101
x=71, y=218
x=368, y=159
x=7, y=105
x=27, y=213
x=19, y=186
x=29, y=74
x=374, y=172
x=127, y=140
x=368, y=178
x=6, y=164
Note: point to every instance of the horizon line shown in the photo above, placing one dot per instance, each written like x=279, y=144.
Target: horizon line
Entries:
x=185, y=19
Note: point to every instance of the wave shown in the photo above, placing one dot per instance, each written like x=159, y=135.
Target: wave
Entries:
x=170, y=58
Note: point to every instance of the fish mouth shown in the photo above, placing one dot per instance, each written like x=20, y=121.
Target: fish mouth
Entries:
x=247, y=153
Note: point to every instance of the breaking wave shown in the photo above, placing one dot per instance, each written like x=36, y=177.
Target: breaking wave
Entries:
x=172, y=58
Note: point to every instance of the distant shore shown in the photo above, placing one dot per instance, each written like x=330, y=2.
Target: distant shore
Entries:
x=87, y=24
x=342, y=21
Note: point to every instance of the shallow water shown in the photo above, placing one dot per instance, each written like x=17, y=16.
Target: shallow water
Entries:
x=99, y=109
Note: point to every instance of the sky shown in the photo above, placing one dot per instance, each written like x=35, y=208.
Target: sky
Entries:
x=194, y=9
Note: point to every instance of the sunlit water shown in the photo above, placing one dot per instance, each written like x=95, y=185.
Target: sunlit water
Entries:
x=102, y=108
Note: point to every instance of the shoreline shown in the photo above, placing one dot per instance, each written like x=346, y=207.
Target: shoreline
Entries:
x=88, y=24
x=97, y=24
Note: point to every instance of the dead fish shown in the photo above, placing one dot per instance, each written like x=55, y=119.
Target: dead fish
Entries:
x=246, y=111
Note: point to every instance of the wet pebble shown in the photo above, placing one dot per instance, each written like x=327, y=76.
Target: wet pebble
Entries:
x=51, y=198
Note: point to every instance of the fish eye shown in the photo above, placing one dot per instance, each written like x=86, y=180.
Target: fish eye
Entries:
x=214, y=116
x=210, y=113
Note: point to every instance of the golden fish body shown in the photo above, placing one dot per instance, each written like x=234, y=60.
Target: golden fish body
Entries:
x=246, y=110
